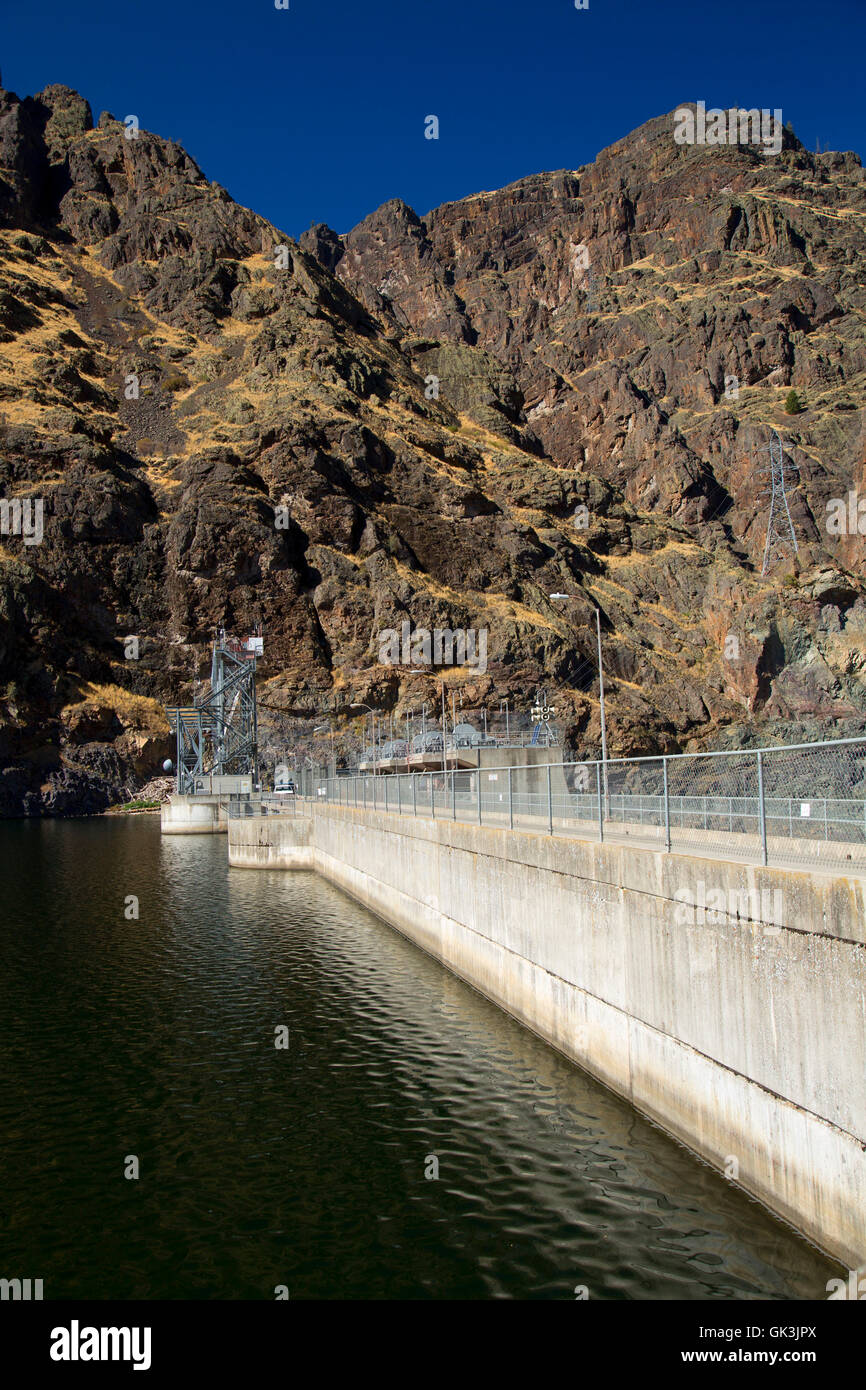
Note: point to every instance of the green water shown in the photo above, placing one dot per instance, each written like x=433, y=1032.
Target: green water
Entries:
x=305, y=1167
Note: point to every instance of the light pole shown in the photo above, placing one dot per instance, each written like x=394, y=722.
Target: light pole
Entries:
x=601, y=700
x=356, y=704
x=444, y=768
x=601, y=704
x=507, y=734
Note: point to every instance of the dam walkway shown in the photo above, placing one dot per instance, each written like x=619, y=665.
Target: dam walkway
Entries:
x=800, y=807
x=725, y=1000
x=691, y=930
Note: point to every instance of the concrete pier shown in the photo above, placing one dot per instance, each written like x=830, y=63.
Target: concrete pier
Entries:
x=726, y=1001
x=194, y=815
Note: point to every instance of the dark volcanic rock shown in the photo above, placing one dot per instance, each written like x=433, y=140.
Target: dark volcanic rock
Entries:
x=440, y=420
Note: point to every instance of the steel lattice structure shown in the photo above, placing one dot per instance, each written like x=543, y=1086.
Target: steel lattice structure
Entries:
x=217, y=735
x=780, y=527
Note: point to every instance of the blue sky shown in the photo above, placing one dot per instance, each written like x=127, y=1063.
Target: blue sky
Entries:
x=316, y=113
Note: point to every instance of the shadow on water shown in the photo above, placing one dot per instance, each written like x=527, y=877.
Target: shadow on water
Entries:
x=305, y=1166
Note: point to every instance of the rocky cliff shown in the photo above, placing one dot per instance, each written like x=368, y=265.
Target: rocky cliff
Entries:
x=567, y=386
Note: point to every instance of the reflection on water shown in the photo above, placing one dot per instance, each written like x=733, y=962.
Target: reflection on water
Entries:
x=305, y=1166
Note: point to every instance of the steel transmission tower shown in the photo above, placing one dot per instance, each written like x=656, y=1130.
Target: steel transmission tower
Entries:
x=780, y=527
x=217, y=735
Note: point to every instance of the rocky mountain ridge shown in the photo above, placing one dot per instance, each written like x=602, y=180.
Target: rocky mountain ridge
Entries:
x=566, y=386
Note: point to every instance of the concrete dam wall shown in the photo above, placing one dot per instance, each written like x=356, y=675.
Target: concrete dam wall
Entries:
x=727, y=1002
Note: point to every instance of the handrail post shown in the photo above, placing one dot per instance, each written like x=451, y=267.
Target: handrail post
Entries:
x=600, y=806
x=478, y=788
x=414, y=795
x=667, y=808
x=399, y=797
x=511, y=800
x=432, y=797
x=453, y=796
x=386, y=793
x=549, y=804
x=761, y=811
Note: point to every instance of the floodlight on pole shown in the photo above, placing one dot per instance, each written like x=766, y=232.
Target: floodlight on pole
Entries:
x=357, y=704
x=601, y=697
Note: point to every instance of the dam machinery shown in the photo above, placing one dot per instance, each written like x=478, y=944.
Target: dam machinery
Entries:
x=217, y=735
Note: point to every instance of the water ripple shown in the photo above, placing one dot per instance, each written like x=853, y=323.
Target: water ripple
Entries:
x=306, y=1166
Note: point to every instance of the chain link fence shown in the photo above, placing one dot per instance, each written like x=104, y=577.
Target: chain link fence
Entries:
x=798, y=806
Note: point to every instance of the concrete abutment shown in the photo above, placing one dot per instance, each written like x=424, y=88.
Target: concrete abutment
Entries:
x=742, y=1037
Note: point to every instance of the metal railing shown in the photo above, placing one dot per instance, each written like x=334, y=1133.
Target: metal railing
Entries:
x=798, y=806
x=268, y=804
